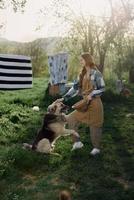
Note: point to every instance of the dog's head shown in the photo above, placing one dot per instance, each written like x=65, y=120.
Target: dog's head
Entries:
x=57, y=107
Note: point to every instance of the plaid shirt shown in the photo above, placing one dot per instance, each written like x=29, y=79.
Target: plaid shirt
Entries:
x=97, y=82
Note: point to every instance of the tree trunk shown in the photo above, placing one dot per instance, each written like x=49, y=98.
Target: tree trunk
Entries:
x=102, y=61
x=131, y=75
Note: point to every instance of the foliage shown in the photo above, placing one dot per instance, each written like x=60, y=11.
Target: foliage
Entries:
x=30, y=176
x=34, y=50
x=16, y=4
x=96, y=34
x=39, y=58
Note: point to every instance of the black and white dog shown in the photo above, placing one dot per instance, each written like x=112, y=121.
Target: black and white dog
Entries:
x=53, y=127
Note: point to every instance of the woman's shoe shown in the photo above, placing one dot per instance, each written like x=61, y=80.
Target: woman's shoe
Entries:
x=95, y=151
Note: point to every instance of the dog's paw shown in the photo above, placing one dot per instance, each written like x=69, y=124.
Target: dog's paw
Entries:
x=77, y=145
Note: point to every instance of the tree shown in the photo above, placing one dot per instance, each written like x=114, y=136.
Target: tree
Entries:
x=39, y=58
x=129, y=59
x=95, y=34
x=122, y=51
x=15, y=4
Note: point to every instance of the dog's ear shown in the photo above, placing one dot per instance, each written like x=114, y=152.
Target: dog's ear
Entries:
x=51, y=109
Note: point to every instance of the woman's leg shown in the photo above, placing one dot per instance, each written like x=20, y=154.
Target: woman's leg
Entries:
x=73, y=124
x=95, y=134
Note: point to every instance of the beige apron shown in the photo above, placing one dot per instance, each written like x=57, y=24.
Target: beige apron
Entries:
x=94, y=115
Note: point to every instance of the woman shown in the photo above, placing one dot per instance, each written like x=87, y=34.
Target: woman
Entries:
x=90, y=85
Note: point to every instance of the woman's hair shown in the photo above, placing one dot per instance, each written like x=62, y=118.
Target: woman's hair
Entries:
x=88, y=59
x=89, y=62
x=64, y=195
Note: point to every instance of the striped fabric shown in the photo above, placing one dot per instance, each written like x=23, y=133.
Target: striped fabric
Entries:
x=15, y=71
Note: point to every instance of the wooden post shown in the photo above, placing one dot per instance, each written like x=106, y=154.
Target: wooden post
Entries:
x=53, y=90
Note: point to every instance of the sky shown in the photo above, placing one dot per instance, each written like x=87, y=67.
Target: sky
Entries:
x=23, y=27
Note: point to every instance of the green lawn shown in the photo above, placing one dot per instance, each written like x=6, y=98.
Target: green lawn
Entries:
x=26, y=175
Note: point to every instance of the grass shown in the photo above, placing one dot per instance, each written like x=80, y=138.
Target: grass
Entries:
x=26, y=175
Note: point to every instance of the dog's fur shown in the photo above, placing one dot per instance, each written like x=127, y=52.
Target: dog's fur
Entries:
x=53, y=127
x=126, y=92
x=65, y=195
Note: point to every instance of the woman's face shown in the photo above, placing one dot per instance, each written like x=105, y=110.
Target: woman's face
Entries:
x=82, y=62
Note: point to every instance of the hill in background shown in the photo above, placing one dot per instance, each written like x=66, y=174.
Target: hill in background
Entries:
x=47, y=44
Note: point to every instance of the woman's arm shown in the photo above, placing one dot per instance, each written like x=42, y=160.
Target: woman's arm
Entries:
x=73, y=91
x=99, y=85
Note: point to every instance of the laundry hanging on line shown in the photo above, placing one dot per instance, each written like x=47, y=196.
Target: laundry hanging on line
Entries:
x=15, y=71
x=58, y=65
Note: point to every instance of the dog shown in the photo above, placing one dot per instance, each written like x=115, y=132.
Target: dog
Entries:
x=53, y=127
x=65, y=195
x=126, y=92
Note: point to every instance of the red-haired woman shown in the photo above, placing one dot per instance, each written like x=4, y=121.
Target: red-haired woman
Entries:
x=90, y=85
